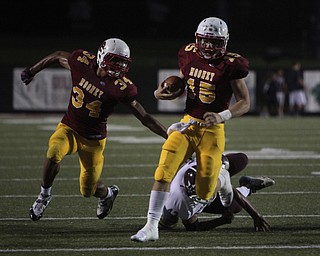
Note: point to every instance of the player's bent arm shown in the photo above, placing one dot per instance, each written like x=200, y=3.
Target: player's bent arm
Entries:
x=147, y=120
x=242, y=97
x=58, y=57
x=239, y=108
x=260, y=223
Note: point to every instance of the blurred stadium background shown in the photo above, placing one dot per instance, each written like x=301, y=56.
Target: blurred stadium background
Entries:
x=271, y=34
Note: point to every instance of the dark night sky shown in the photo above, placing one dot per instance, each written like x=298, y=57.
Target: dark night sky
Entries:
x=270, y=22
x=284, y=19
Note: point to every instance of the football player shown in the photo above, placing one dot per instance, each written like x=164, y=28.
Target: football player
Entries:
x=99, y=83
x=212, y=75
x=180, y=205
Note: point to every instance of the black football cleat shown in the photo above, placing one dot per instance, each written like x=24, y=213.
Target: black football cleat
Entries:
x=256, y=183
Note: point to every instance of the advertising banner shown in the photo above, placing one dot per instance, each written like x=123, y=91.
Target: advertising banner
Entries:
x=49, y=90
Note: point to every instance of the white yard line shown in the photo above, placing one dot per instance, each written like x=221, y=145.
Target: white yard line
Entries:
x=86, y=249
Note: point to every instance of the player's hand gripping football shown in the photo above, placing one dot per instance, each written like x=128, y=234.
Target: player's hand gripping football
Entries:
x=260, y=224
x=212, y=118
x=26, y=76
x=162, y=93
x=170, y=88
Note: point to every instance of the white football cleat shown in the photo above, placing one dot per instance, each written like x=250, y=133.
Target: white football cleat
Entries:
x=226, y=192
x=38, y=207
x=105, y=204
x=147, y=233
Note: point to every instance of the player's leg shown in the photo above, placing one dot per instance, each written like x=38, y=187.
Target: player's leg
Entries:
x=174, y=151
x=61, y=143
x=168, y=219
x=91, y=165
x=209, y=153
x=237, y=162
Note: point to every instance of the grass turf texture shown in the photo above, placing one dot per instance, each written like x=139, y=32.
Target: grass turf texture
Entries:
x=287, y=150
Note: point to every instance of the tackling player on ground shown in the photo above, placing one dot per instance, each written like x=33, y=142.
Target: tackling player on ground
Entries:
x=212, y=75
x=180, y=205
x=99, y=83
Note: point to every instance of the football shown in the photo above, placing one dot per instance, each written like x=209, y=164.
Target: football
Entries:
x=173, y=84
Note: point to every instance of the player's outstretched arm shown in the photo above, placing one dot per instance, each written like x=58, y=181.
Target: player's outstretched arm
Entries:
x=193, y=224
x=58, y=57
x=259, y=222
x=147, y=120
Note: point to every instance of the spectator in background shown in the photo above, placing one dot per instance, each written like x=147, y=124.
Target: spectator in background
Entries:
x=274, y=92
x=270, y=94
x=296, y=89
x=281, y=90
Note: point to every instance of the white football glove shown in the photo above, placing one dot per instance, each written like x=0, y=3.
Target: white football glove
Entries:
x=176, y=127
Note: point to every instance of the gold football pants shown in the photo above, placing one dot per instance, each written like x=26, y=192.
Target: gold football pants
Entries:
x=65, y=141
x=207, y=142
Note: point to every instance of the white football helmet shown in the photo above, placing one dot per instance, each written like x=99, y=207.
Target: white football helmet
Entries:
x=211, y=38
x=114, y=57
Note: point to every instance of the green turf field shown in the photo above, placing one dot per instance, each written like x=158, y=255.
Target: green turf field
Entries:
x=288, y=150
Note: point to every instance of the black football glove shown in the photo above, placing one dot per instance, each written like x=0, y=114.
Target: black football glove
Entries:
x=26, y=76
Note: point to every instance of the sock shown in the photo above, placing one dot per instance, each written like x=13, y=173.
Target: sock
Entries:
x=46, y=191
x=156, y=203
x=244, y=191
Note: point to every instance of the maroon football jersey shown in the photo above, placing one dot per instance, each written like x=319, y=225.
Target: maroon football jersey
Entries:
x=93, y=98
x=209, y=88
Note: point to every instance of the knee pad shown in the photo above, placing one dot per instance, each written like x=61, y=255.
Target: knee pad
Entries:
x=173, y=153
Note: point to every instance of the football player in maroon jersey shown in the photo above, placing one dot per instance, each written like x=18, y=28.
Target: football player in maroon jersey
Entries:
x=99, y=83
x=212, y=75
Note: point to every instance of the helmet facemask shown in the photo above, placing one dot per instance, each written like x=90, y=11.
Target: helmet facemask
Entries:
x=115, y=65
x=210, y=47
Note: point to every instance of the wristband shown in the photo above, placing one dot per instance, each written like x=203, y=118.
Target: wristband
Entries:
x=225, y=115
